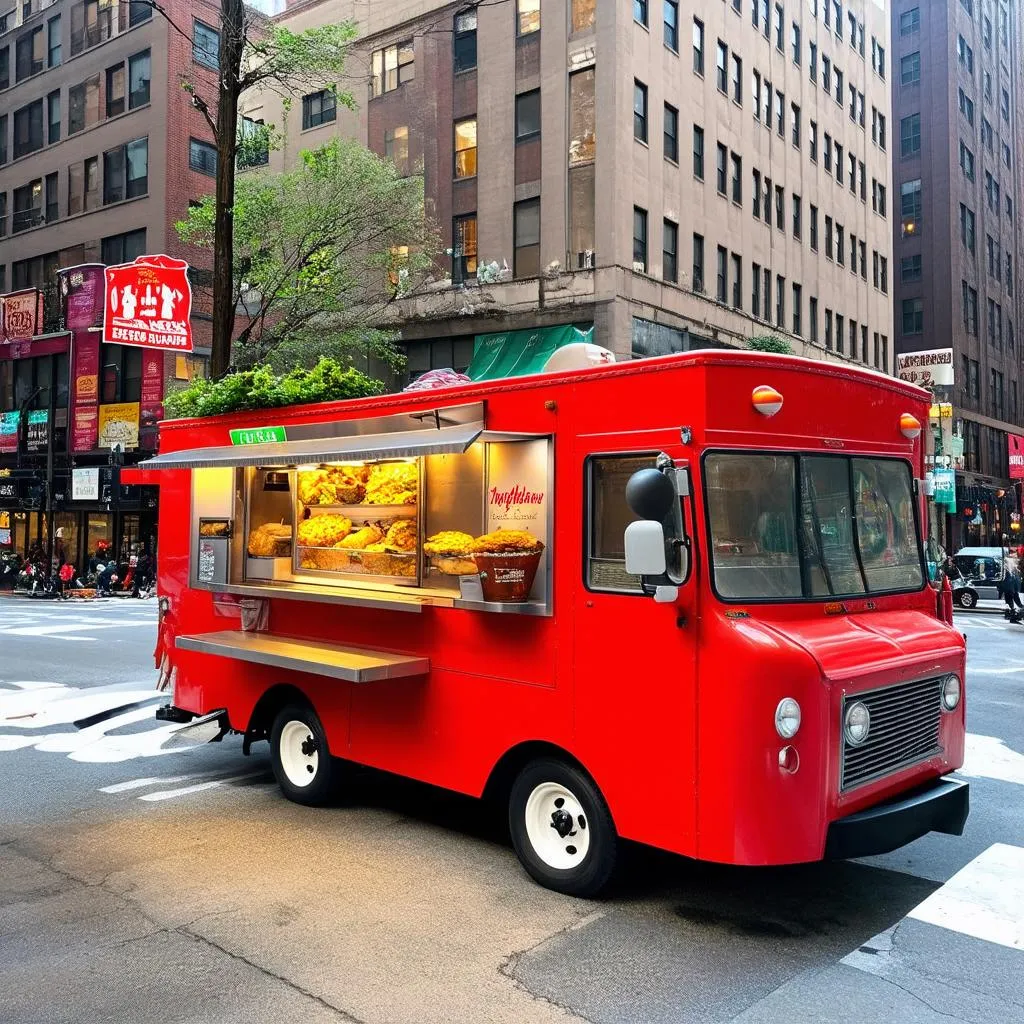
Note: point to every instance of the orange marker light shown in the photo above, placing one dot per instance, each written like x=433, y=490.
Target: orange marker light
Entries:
x=767, y=401
x=910, y=426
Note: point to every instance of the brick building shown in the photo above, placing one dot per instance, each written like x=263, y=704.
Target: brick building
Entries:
x=958, y=142
x=674, y=175
x=101, y=151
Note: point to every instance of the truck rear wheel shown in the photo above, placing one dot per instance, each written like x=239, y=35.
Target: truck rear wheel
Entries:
x=561, y=828
x=302, y=763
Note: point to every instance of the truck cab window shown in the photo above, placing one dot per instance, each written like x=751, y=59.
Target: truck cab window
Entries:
x=608, y=515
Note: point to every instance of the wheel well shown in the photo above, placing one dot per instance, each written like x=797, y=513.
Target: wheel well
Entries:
x=266, y=710
x=504, y=773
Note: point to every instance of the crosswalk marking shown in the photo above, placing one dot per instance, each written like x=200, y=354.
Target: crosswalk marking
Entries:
x=155, y=780
x=199, y=787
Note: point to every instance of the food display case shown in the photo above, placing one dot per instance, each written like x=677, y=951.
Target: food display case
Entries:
x=395, y=518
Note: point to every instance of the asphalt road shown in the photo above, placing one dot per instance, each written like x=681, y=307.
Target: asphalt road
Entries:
x=139, y=885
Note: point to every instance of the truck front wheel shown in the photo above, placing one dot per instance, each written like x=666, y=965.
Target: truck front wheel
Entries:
x=561, y=828
x=302, y=763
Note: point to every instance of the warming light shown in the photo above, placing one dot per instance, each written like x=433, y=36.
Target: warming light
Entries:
x=910, y=426
x=767, y=400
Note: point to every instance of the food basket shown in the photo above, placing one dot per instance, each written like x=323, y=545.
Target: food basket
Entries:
x=354, y=560
x=507, y=576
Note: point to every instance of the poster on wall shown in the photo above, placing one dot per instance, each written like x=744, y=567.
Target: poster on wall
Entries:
x=148, y=304
x=151, y=409
x=85, y=484
x=926, y=369
x=1015, y=444
x=21, y=315
x=37, y=430
x=119, y=425
x=9, y=431
x=85, y=394
x=81, y=296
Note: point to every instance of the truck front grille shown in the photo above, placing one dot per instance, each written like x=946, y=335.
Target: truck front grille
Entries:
x=904, y=730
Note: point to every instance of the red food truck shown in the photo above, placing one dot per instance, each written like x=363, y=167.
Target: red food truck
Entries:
x=680, y=601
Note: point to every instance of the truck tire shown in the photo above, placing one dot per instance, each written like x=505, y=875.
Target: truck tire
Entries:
x=561, y=828
x=302, y=764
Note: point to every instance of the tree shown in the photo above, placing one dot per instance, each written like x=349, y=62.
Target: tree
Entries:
x=319, y=253
x=770, y=343
x=253, y=53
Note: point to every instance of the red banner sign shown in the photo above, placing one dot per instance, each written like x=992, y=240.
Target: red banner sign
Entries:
x=85, y=391
x=81, y=292
x=148, y=304
x=151, y=409
x=21, y=315
x=1015, y=443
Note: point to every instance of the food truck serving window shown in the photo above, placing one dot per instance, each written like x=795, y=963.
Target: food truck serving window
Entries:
x=788, y=527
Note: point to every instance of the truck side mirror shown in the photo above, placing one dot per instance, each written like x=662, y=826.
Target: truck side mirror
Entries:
x=645, y=549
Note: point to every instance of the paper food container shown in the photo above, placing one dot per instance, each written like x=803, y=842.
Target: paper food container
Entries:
x=507, y=575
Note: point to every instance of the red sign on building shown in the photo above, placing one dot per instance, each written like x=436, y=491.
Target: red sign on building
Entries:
x=1015, y=443
x=148, y=303
x=21, y=315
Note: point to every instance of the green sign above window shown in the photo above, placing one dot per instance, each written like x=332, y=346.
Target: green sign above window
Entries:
x=258, y=435
x=517, y=353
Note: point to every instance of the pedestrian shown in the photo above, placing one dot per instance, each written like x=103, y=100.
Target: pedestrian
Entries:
x=1010, y=588
x=950, y=569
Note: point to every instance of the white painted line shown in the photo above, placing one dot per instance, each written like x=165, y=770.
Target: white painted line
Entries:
x=170, y=794
x=985, y=899
x=988, y=757
x=123, y=787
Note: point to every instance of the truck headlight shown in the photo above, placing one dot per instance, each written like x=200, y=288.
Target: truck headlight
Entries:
x=950, y=692
x=857, y=724
x=787, y=718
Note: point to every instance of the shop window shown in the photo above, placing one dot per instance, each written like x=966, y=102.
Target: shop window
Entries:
x=465, y=42
x=526, y=231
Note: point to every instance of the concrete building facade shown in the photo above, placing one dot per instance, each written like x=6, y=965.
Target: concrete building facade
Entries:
x=957, y=189
x=674, y=174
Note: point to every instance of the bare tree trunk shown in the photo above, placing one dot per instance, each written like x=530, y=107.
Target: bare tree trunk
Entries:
x=232, y=41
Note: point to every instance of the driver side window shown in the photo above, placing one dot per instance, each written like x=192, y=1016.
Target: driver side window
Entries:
x=607, y=516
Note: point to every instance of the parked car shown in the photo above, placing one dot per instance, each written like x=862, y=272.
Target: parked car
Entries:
x=982, y=571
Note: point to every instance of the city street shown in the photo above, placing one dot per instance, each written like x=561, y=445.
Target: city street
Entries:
x=138, y=884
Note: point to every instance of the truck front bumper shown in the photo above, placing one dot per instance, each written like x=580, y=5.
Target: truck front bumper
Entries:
x=939, y=806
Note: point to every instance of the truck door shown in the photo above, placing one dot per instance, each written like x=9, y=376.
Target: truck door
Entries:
x=634, y=659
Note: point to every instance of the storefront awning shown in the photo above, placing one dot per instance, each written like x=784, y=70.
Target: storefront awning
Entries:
x=398, y=445
x=518, y=353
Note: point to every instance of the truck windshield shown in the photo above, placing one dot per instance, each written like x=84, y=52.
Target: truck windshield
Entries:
x=791, y=527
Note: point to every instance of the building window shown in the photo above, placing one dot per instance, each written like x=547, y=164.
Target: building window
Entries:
x=28, y=129
x=53, y=117
x=797, y=310
x=910, y=21
x=722, y=276
x=910, y=135
x=913, y=316
x=795, y=117
x=814, y=228
x=780, y=301
x=639, y=111
x=794, y=42
x=202, y=157
x=640, y=14
x=126, y=171
x=812, y=141
x=52, y=203
x=28, y=207
x=812, y=318
x=115, y=90
x=205, y=45
x=969, y=297
x=3, y=218
x=138, y=80
x=910, y=69
x=966, y=105
x=319, y=108
x=582, y=123
x=83, y=186
x=639, y=239
x=698, y=263
x=465, y=148
x=395, y=65
x=671, y=16
x=670, y=251
x=796, y=216
x=465, y=42
x=528, y=115
x=396, y=148
x=755, y=291
x=526, y=230
x=737, y=80
x=910, y=207
x=53, y=42
x=737, y=178
x=965, y=55
x=30, y=54
x=527, y=16
x=124, y=248
x=464, y=247
x=910, y=269
x=254, y=144
x=721, y=160
x=698, y=46
x=780, y=211
x=966, y=161
x=84, y=105
x=671, y=133
x=722, y=67
x=737, y=281
x=698, y=152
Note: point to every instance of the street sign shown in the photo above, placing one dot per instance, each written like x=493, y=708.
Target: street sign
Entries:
x=258, y=435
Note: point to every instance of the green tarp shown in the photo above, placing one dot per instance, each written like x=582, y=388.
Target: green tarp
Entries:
x=517, y=353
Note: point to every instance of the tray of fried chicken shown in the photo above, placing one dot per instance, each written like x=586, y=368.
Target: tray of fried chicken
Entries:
x=335, y=543
x=388, y=486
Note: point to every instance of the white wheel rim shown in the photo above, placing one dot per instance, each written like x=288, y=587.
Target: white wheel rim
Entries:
x=300, y=756
x=550, y=811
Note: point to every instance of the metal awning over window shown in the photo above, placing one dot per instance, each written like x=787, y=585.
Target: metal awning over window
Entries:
x=402, y=444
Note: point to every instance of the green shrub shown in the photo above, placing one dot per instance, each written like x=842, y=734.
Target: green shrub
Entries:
x=261, y=388
x=770, y=343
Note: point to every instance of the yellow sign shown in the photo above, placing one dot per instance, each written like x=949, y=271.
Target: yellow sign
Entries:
x=119, y=424
x=941, y=411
